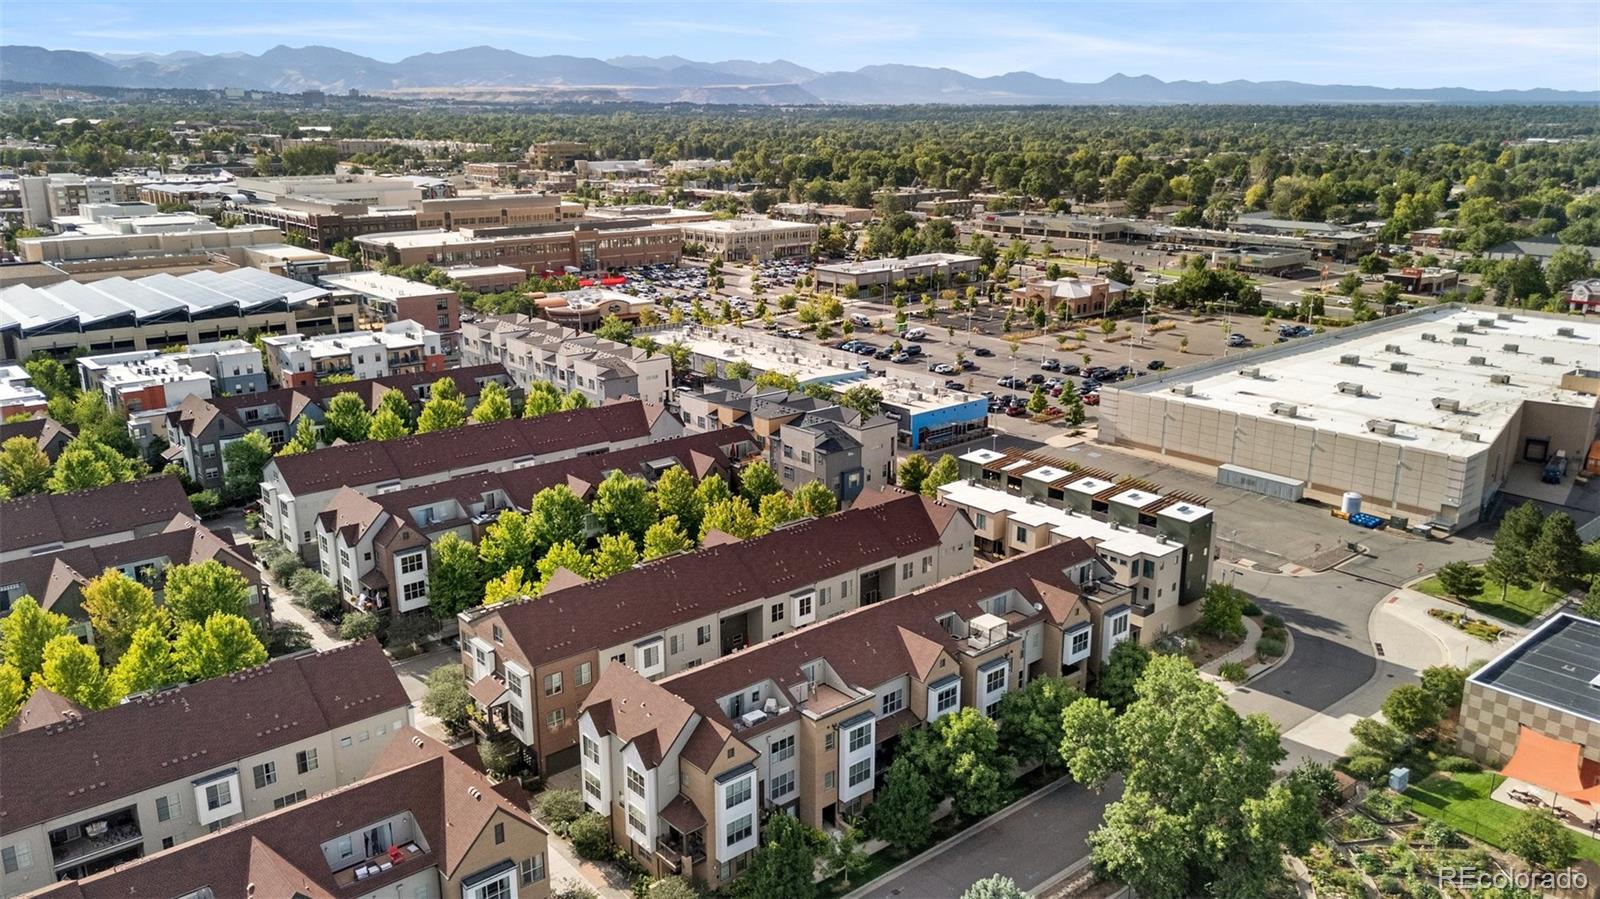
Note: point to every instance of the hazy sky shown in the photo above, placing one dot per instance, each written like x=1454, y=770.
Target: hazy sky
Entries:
x=1394, y=43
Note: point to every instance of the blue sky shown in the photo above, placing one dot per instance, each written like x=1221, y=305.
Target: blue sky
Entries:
x=1483, y=45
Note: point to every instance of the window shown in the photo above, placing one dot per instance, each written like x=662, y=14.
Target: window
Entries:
x=514, y=683
x=499, y=635
x=782, y=750
x=1080, y=642
x=783, y=785
x=636, y=783
x=166, y=842
x=736, y=793
x=860, y=738
x=219, y=795
x=907, y=571
x=414, y=591
x=291, y=799
x=555, y=719
x=1119, y=626
x=1022, y=534
x=827, y=780
x=591, y=784
x=166, y=807
x=636, y=820
x=265, y=774
x=591, y=749
x=532, y=869
x=344, y=742
x=411, y=564
x=514, y=715
x=980, y=521
x=650, y=656
x=947, y=699
x=860, y=772
x=552, y=683
x=584, y=673
x=15, y=858
x=305, y=761
x=893, y=702
x=927, y=564
x=995, y=680
x=805, y=605
x=777, y=612
x=499, y=833
x=702, y=635
x=676, y=645
x=741, y=829
x=827, y=741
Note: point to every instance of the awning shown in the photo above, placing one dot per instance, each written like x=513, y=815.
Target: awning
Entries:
x=489, y=691
x=682, y=815
x=1546, y=762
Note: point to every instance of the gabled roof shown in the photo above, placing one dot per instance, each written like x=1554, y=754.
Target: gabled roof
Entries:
x=185, y=731
x=45, y=518
x=42, y=430
x=44, y=708
x=626, y=705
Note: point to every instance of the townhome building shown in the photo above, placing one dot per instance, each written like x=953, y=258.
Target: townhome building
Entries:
x=49, y=435
x=233, y=366
x=198, y=429
x=88, y=790
x=400, y=347
x=686, y=767
x=47, y=522
x=296, y=489
x=533, y=349
x=531, y=664
x=56, y=579
x=421, y=824
x=374, y=549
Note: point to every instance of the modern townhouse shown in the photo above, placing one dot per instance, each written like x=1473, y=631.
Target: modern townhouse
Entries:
x=84, y=791
x=49, y=435
x=56, y=579
x=686, y=767
x=422, y=824
x=531, y=664
x=198, y=429
x=46, y=522
x=233, y=366
x=374, y=549
x=297, y=360
x=533, y=349
x=296, y=489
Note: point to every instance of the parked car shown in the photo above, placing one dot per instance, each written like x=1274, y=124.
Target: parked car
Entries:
x=1016, y=411
x=1036, y=378
x=1156, y=365
x=968, y=365
x=915, y=334
x=859, y=320
x=900, y=357
x=1010, y=381
x=1092, y=399
x=1050, y=365
x=883, y=353
x=1069, y=369
x=982, y=351
x=1238, y=340
x=955, y=385
x=942, y=368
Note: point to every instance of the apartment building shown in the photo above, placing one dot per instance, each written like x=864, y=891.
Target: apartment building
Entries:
x=556, y=154
x=46, y=522
x=296, y=489
x=945, y=268
x=198, y=429
x=751, y=238
x=686, y=767
x=233, y=366
x=56, y=579
x=494, y=211
x=86, y=791
x=421, y=824
x=47, y=197
x=402, y=347
x=18, y=396
x=532, y=664
x=495, y=174
x=1086, y=296
x=533, y=349
x=584, y=245
x=389, y=299
x=374, y=549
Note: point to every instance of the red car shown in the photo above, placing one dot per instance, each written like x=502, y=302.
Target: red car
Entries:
x=1092, y=399
x=1016, y=411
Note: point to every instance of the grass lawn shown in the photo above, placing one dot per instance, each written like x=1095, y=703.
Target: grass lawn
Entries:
x=1519, y=607
x=1462, y=801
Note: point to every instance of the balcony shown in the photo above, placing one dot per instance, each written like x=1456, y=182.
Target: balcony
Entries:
x=115, y=834
x=407, y=858
x=1143, y=607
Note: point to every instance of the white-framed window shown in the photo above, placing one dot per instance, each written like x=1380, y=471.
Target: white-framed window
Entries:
x=736, y=793
x=827, y=780
x=499, y=887
x=776, y=613
x=514, y=715
x=514, y=683
x=552, y=683
x=927, y=564
x=531, y=870
x=1080, y=642
x=344, y=743
x=651, y=656
x=16, y=858
x=1119, y=625
x=676, y=645
x=167, y=807
x=994, y=680
x=948, y=698
x=893, y=702
x=291, y=799
x=591, y=749
x=805, y=605
x=414, y=590
x=782, y=750
x=636, y=784
x=860, y=772
x=305, y=761
x=907, y=571
x=411, y=563
x=219, y=795
x=740, y=829
x=827, y=741
x=860, y=737
x=782, y=785
x=265, y=774
x=584, y=673
x=636, y=820
x=702, y=635
x=591, y=784
x=555, y=719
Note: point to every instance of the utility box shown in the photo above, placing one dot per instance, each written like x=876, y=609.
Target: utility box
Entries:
x=1399, y=779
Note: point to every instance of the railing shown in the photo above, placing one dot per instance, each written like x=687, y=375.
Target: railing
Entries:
x=118, y=837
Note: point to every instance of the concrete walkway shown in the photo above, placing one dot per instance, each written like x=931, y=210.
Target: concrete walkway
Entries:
x=567, y=870
x=1403, y=616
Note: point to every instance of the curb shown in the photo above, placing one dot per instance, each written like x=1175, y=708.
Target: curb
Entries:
x=1288, y=652
x=960, y=838
x=1060, y=877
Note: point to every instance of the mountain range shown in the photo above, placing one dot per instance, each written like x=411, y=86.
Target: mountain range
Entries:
x=476, y=71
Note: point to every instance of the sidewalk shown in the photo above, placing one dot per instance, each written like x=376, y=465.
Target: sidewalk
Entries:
x=284, y=610
x=1402, y=618
x=567, y=869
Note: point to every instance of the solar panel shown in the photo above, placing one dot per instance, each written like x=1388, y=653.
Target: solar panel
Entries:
x=30, y=308
x=92, y=305
x=145, y=302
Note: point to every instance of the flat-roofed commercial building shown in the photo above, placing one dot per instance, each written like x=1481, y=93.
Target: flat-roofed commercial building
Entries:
x=585, y=246
x=585, y=308
x=389, y=299
x=1546, y=684
x=751, y=238
x=1261, y=259
x=78, y=248
x=824, y=213
x=556, y=154
x=1052, y=227
x=948, y=268
x=495, y=174
x=1088, y=295
x=494, y=211
x=1425, y=414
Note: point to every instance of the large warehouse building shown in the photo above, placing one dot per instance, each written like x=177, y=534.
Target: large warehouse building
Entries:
x=1426, y=414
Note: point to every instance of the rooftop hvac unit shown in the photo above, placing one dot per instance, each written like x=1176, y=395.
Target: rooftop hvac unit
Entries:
x=1547, y=360
x=1506, y=317
x=1379, y=426
x=1471, y=437
x=1351, y=388
x=1499, y=379
x=1477, y=360
x=1464, y=327
x=1287, y=410
x=1485, y=322
x=1183, y=389
x=1458, y=341
x=1429, y=337
x=1252, y=372
x=1392, y=348
x=1446, y=404
x=1565, y=332
x=1349, y=359
x=1510, y=348
x=1397, y=366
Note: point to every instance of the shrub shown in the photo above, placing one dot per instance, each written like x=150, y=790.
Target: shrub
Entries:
x=1377, y=738
x=1251, y=609
x=591, y=836
x=559, y=808
x=1440, y=835
x=286, y=637
x=1458, y=764
x=411, y=630
x=1233, y=671
x=286, y=567
x=1272, y=621
x=313, y=591
x=1385, y=806
x=1269, y=647
x=1367, y=767
x=500, y=756
x=359, y=626
x=205, y=501
x=671, y=888
x=1541, y=840
x=571, y=889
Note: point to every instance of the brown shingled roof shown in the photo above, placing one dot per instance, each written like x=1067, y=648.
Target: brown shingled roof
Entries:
x=45, y=518
x=625, y=704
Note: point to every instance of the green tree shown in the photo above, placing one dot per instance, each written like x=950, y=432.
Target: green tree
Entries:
x=1075, y=411
x=1447, y=685
x=1542, y=841
x=24, y=467
x=359, y=626
x=1222, y=615
x=613, y=328
x=758, y=480
x=902, y=812
x=243, y=462
x=565, y=554
x=79, y=468
x=862, y=400
x=395, y=402
x=305, y=438
x=676, y=496
x=731, y=516
x=777, y=509
x=945, y=471
x=117, y=606
x=1557, y=555
x=72, y=670
x=1461, y=579
x=572, y=400
x=815, y=500
x=912, y=472
x=493, y=404
x=514, y=584
x=843, y=857
x=1411, y=709
x=542, y=399
x=615, y=554
x=976, y=773
x=557, y=515
x=994, y=887
x=1124, y=667
x=444, y=409
x=346, y=418
x=386, y=425
x=783, y=863
x=510, y=542
x=665, y=537
x=195, y=592
x=445, y=697
x=1031, y=719
x=455, y=579
x=25, y=632
x=51, y=377
x=222, y=645
x=1590, y=607
x=12, y=692
x=147, y=664
x=623, y=504
x=1038, y=402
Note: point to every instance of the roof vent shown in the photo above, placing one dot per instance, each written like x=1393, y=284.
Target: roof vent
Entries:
x=1458, y=341
x=1499, y=379
x=1471, y=437
x=1393, y=348
x=474, y=792
x=1183, y=389
x=1287, y=410
x=1429, y=337
x=1510, y=348
x=1485, y=322
x=1477, y=360
x=1378, y=426
x=1446, y=404
x=1397, y=366
x=1349, y=359
x=1351, y=388
x=1506, y=317
x=1547, y=360
x=1252, y=372
x=1464, y=327
x=1565, y=332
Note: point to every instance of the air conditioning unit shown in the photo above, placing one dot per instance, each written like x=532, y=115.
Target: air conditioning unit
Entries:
x=1485, y=322
x=1547, y=360
x=1565, y=332
x=1252, y=372
x=1446, y=404
x=1349, y=359
x=1499, y=379
x=1287, y=410
x=1393, y=348
x=1397, y=366
x=1429, y=337
x=1510, y=348
x=1458, y=341
x=1351, y=388
x=1183, y=389
x=1506, y=317
x=1477, y=360
x=1464, y=328
x=1379, y=426
x=1471, y=437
